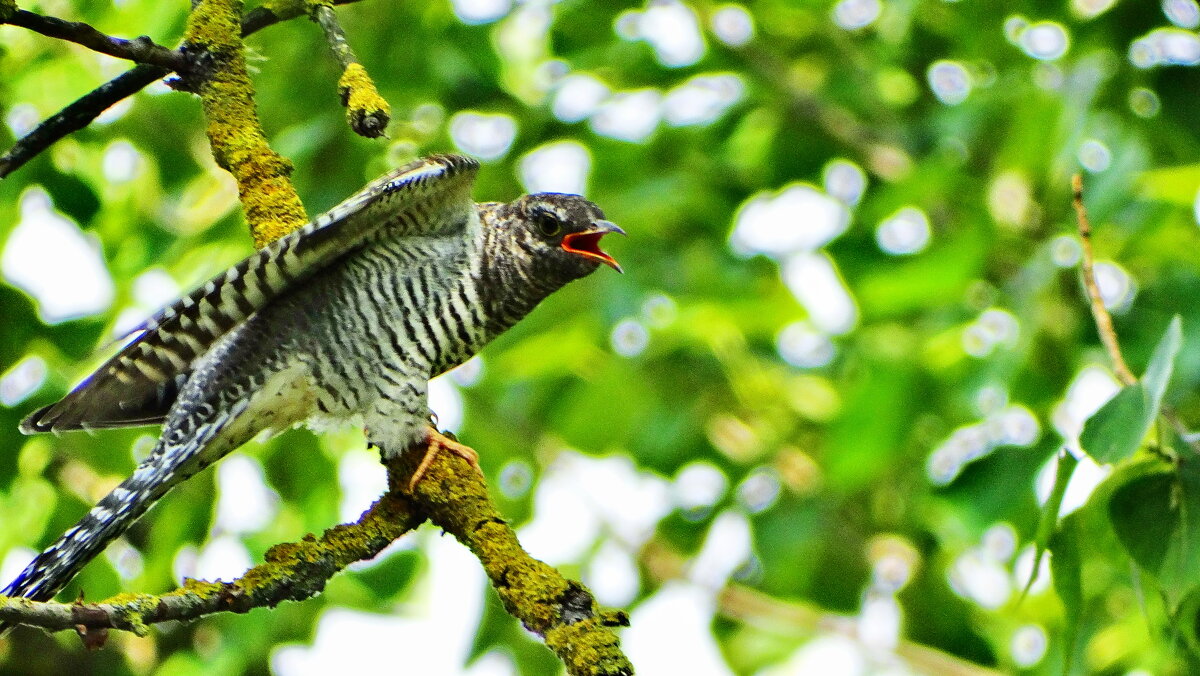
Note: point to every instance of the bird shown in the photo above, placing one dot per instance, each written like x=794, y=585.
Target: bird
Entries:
x=342, y=322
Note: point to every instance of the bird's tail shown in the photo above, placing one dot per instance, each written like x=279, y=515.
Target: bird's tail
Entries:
x=51, y=570
x=167, y=466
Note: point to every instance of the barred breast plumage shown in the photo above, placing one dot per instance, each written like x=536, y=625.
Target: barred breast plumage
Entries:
x=341, y=322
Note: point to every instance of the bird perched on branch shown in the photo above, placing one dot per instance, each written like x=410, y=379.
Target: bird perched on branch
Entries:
x=342, y=322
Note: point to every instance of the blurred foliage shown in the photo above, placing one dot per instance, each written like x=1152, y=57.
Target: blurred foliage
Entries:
x=884, y=458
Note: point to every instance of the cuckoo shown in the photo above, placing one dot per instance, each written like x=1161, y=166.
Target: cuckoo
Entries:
x=342, y=322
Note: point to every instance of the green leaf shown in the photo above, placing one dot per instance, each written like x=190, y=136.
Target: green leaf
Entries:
x=1156, y=516
x=1176, y=185
x=1143, y=519
x=1117, y=429
x=1065, y=568
x=1158, y=373
x=1062, y=476
x=1187, y=621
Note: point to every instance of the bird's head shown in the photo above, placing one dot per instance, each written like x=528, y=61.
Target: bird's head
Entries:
x=561, y=234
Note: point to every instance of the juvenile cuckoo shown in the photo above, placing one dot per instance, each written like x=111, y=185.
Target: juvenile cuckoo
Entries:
x=342, y=322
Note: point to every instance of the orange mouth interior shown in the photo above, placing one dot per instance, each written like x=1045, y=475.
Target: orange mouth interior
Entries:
x=588, y=244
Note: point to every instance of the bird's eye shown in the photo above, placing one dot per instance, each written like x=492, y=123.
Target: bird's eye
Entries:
x=547, y=223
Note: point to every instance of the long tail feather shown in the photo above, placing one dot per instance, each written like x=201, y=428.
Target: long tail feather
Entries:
x=177, y=457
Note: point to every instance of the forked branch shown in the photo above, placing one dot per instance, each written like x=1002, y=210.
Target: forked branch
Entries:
x=87, y=108
x=452, y=496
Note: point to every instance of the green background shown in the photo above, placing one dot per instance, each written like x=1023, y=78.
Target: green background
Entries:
x=671, y=376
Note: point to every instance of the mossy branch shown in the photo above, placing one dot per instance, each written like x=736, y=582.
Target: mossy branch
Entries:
x=239, y=146
x=85, y=109
x=452, y=496
x=367, y=112
x=290, y=572
x=561, y=611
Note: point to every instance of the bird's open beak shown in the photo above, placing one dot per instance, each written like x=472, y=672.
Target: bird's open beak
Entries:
x=587, y=243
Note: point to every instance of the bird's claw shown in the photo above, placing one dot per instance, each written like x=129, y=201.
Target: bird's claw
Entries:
x=435, y=442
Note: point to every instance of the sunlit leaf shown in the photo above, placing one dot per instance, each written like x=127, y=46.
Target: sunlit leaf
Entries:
x=1117, y=429
x=1048, y=522
x=1177, y=185
x=1162, y=362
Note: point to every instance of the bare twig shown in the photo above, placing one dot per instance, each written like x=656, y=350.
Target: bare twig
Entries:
x=367, y=111
x=1104, y=325
x=1108, y=335
x=80, y=113
x=141, y=49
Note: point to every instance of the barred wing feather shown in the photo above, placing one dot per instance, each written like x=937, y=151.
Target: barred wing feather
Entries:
x=429, y=197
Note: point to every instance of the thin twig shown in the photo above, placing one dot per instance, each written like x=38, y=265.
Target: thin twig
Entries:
x=1104, y=326
x=324, y=17
x=367, y=111
x=141, y=49
x=80, y=113
x=1108, y=335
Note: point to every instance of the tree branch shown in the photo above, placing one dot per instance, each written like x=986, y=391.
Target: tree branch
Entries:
x=141, y=49
x=453, y=497
x=561, y=611
x=290, y=572
x=84, y=110
x=1104, y=325
x=238, y=143
x=78, y=115
x=367, y=111
x=451, y=494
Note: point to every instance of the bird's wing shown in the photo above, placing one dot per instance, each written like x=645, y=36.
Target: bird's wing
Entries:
x=429, y=197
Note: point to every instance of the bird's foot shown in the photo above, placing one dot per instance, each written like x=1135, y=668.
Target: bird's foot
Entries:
x=436, y=442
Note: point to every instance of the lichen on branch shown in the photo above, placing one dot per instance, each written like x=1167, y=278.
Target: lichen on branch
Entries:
x=84, y=110
x=7, y=9
x=452, y=496
x=290, y=572
x=561, y=611
x=239, y=146
x=367, y=111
